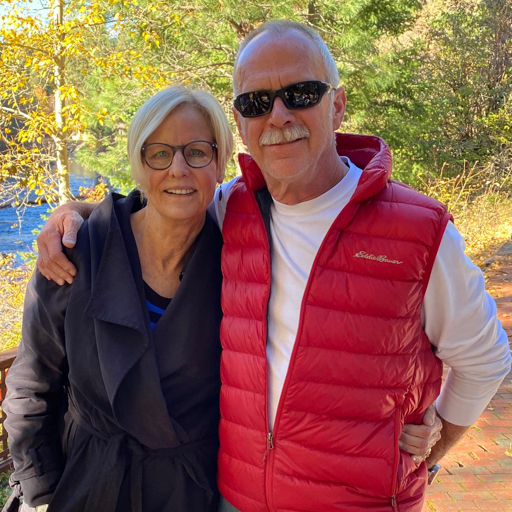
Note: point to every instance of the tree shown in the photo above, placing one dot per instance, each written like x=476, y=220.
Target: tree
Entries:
x=465, y=83
x=45, y=59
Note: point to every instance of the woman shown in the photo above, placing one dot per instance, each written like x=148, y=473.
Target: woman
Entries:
x=113, y=398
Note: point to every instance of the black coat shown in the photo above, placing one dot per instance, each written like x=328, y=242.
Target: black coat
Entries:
x=97, y=419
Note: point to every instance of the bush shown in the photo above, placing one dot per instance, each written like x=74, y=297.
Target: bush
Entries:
x=13, y=282
x=479, y=198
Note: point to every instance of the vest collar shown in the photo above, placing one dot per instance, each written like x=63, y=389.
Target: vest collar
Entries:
x=369, y=153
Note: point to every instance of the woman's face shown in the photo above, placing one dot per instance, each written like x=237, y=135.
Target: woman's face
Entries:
x=182, y=192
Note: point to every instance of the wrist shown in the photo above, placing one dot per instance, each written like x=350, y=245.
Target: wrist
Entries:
x=80, y=208
x=432, y=473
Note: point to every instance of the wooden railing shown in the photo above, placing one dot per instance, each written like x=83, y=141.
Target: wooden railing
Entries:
x=6, y=359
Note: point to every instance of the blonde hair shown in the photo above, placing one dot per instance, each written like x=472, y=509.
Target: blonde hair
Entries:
x=152, y=113
x=278, y=28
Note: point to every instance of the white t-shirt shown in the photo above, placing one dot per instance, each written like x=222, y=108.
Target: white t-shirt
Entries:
x=458, y=316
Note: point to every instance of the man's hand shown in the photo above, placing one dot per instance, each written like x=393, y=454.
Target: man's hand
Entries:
x=61, y=228
x=450, y=435
x=418, y=440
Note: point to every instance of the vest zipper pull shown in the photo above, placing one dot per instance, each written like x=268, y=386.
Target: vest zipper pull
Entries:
x=393, y=503
x=270, y=441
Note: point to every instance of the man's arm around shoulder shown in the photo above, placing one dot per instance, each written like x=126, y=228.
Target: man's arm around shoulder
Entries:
x=61, y=229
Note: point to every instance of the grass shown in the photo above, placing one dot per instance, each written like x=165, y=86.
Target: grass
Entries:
x=481, y=204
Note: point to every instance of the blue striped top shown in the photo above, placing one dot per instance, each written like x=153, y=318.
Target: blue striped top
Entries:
x=156, y=305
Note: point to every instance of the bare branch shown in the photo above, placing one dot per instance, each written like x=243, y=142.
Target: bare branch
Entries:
x=17, y=114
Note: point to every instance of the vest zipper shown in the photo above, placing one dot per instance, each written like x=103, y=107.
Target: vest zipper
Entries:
x=268, y=458
x=269, y=470
x=393, y=503
x=269, y=454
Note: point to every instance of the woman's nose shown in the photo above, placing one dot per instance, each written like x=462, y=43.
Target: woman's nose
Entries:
x=179, y=166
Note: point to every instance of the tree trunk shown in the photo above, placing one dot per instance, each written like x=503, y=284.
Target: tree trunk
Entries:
x=313, y=15
x=61, y=156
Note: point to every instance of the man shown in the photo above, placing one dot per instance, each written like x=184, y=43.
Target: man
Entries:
x=339, y=282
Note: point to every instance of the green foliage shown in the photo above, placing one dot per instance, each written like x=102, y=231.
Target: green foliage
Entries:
x=465, y=72
x=5, y=490
x=433, y=77
x=111, y=103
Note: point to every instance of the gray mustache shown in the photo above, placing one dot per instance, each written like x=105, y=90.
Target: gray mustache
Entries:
x=287, y=134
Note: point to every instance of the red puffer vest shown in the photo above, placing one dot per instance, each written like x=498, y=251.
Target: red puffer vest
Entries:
x=362, y=365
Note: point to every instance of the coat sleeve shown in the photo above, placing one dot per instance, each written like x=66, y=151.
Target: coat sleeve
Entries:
x=36, y=391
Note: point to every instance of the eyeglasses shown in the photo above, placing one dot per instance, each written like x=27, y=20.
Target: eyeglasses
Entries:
x=296, y=96
x=197, y=154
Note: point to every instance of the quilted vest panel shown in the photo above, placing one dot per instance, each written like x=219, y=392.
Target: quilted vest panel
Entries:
x=361, y=367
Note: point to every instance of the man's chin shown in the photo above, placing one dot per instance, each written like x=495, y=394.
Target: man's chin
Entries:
x=285, y=169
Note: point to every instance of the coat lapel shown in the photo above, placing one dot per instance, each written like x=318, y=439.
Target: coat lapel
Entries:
x=126, y=354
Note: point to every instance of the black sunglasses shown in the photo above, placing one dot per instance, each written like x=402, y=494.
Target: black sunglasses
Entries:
x=305, y=94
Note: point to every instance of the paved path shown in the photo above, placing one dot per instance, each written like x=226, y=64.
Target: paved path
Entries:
x=477, y=473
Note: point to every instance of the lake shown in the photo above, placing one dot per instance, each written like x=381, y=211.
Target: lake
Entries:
x=16, y=236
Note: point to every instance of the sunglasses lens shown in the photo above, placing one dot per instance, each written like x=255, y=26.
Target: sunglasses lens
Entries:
x=254, y=104
x=301, y=95
x=304, y=94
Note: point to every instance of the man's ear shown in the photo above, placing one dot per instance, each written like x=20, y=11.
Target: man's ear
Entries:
x=339, y=104
x=239, y=123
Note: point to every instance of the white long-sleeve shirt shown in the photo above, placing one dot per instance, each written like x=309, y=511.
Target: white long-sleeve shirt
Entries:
x=458, y=316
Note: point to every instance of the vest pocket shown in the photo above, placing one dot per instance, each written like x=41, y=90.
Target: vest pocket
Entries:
x=396, y=461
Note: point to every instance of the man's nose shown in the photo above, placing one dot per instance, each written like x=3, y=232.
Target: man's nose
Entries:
x=280, y=114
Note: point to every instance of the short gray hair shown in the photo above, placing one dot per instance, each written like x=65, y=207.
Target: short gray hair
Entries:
x=281, y=27
x=152, y=113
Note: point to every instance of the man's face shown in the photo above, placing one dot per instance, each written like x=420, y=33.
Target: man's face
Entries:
x=270, y=63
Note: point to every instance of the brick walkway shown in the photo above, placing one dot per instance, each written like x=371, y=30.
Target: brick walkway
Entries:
x=477, y=473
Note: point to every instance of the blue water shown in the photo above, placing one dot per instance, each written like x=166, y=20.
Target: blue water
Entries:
x=16, y=236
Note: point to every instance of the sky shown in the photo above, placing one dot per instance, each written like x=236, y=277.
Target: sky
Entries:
x=36, y=8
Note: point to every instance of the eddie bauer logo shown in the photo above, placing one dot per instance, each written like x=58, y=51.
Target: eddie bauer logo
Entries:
x=382, y=258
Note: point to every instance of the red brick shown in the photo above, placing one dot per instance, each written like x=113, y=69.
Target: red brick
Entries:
x=459, y=478
x=495, y=422
x=493, y=429
x=482, y=486
x=449, y=506
x=468, y=495
x=475, y=470
x=505, y=494
x=438, y=496
x=497, y=506
x=493, y=477
x=491, y=461
x=498, y=470
x=486, y=472
x=439, y=487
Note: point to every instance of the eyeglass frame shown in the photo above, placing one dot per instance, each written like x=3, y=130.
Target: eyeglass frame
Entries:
x=280, y=93
x=174, y=149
